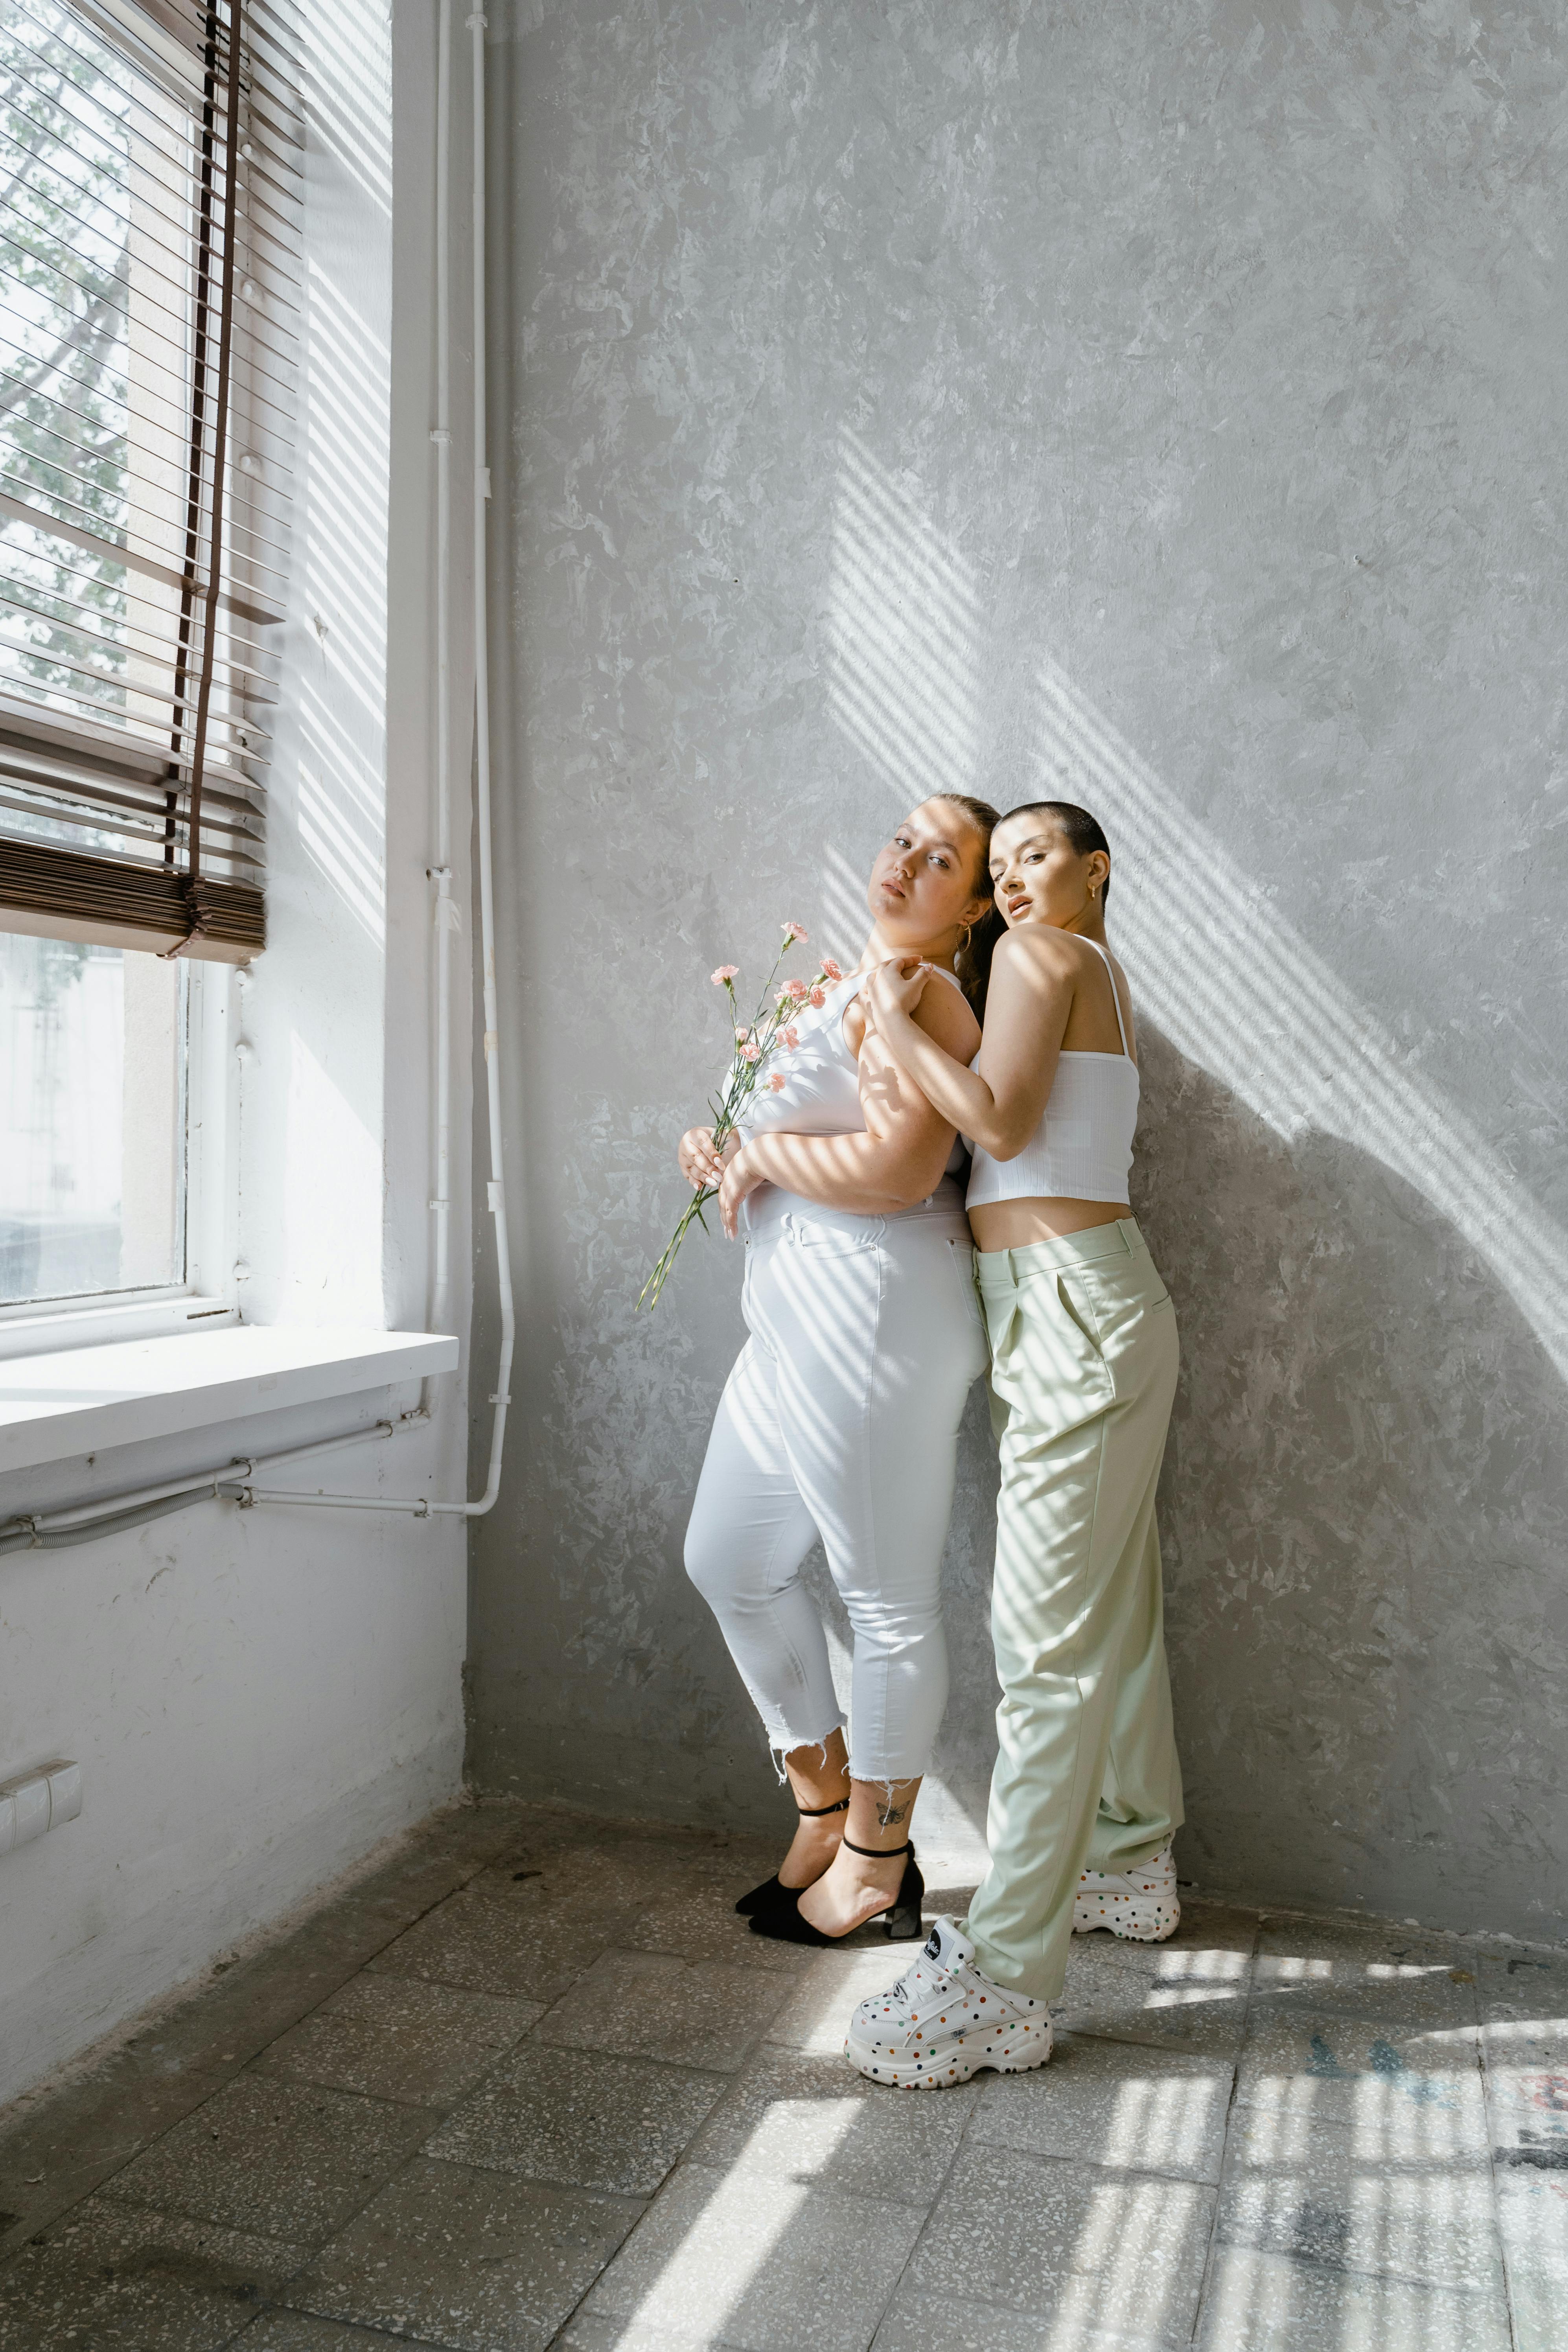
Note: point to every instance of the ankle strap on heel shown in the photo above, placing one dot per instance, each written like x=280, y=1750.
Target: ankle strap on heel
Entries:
x=879, y=1853
x=814, y=1813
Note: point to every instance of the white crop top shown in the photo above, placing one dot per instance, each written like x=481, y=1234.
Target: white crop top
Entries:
x=821, y=1090
x=1082, y=1148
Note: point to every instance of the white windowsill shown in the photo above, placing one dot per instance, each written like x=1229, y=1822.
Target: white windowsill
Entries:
x=94, y=1323
x=80, y=1400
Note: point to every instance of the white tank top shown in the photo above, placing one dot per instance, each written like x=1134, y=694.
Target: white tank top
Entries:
x=1082, y=1148
x=821, y=1090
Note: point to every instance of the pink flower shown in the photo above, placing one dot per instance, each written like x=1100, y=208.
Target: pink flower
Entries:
x=725, y=972
x=819, y=996
x=794, y=931
x=776, y=1082
x=791, y=1037
x=797, y=989
x=830, y=971
x=750, y=1053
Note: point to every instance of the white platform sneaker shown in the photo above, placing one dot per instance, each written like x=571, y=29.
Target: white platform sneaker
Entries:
x=1138, y=1903
x=944, y=2021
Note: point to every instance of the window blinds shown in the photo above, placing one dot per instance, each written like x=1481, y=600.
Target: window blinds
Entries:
x=150, y=161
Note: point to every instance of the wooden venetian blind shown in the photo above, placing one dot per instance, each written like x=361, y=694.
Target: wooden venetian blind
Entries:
x=150, y=193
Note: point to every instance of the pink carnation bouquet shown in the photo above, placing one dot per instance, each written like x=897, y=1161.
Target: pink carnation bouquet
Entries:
x=758, y=1043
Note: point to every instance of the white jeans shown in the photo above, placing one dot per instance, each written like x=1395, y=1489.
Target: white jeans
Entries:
x=840, y=1418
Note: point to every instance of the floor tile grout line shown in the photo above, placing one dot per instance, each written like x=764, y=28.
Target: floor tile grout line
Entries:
x=684, y=2162
x=1314, y=2265
x=1206, y=2278
x=170, y=2208
x=1256, y=2005
x=937, y=2195
x=144, y=2146
x=418, y=2153
x=649, y=2205
x=416, y=2156
x=1160, y=2042
x=365, y=2328
x=756, y=2044
x=445, y=2108
x=1504, y=2265
x=959, y=2144
x=441, y=2109
x=1110, y=2172
x=725, y=2081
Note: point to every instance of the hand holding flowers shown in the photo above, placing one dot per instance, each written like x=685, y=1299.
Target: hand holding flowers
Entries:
x=709, y=1154
x=701, y=1164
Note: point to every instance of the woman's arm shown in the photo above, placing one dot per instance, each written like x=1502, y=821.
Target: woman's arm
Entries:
x=899, y=1159
x=1000, y=1104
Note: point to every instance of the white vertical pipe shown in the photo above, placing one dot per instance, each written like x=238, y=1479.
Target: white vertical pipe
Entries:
x=444, y=912
x=497, y=1189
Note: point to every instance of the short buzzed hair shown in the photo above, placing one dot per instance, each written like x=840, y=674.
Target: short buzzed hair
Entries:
x=1083, y=831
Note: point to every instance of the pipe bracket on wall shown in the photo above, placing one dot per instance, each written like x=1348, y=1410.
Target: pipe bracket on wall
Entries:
x=37, y=1802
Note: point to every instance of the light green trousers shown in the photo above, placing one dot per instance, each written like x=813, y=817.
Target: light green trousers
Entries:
x=1083, y=1371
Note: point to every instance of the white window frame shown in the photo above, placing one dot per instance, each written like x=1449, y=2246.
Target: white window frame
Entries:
x=209, y=1295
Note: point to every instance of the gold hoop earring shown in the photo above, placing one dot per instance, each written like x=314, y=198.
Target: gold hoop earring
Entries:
x=968, y=931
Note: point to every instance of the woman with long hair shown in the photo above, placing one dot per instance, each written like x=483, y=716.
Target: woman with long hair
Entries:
x=1086, y=1791
x=840, y=1417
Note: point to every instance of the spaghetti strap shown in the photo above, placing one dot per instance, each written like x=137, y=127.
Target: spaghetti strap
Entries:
x=1115, y=994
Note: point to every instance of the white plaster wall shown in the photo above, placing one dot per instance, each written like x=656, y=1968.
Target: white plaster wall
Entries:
x=254, y=1697
x=1160, y=408
x=257, y=1698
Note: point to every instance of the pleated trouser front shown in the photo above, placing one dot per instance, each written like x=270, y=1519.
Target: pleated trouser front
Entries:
x=1084, y=1360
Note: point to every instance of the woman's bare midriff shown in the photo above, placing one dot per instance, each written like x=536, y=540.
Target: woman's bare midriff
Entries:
x=1017, y=1224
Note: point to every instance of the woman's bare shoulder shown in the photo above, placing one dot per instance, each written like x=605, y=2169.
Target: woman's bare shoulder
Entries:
x=1038, y=950
x=946, y=1016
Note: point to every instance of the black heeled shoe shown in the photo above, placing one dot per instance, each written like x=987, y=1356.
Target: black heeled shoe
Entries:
x=772, y=1892
x=900, y=1920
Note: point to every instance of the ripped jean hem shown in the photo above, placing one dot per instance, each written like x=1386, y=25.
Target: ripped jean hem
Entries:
x=786, y=1743
x=885, y=1782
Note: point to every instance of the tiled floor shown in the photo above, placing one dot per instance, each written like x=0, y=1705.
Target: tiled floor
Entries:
x=533, y=2083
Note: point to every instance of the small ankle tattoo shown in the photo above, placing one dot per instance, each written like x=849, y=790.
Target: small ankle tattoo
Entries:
x=890, y=1816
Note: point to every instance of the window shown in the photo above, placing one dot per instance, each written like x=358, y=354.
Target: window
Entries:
x=148, y=331
x=92, y=1111
x=149, y=292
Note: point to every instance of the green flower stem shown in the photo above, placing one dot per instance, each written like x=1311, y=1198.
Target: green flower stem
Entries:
x=740, y=1085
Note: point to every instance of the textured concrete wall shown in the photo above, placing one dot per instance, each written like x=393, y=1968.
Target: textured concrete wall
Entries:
x=1163, y=406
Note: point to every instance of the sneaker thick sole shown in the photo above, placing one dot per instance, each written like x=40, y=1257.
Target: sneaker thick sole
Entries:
x=1137, y=1920
x=1015, y=2052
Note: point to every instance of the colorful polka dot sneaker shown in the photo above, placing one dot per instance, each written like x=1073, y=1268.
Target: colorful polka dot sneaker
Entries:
x=1139, y=1905
x=944, y=2021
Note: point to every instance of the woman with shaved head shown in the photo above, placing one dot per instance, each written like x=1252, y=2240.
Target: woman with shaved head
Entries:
x=1087, y=1792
